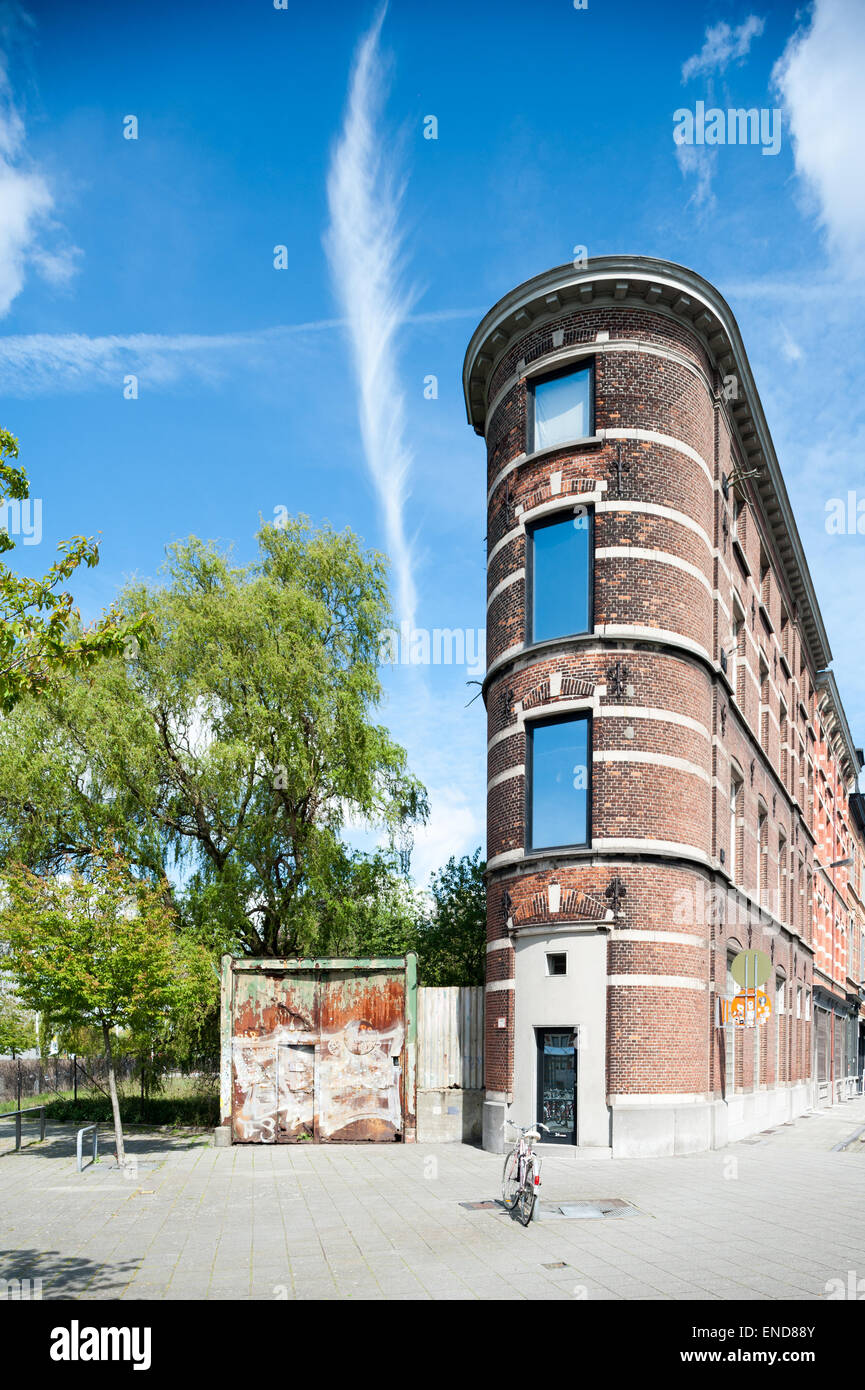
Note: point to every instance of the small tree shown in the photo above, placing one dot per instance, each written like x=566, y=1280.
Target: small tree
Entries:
x=452, y=943
x=100, y=947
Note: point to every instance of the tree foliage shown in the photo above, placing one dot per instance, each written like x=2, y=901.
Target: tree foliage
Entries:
x=40, y=631
x=101, y=948
x=17, y=1027
x=227, y=753
x=451, y=943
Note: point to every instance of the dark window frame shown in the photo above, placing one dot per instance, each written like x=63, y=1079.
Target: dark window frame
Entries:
x=582, y=364
x=571, y=717
x=557, y=518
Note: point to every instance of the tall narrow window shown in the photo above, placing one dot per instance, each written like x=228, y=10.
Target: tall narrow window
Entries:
x=559, y=782
x=762, y=851
x=730, y=1034
x=739, y=652
x=735, y=811
x=562, y=407
x=779, y=907
x=559, y=578
x=779, y=1030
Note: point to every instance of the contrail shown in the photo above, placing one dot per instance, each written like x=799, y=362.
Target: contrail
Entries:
x=364, y=247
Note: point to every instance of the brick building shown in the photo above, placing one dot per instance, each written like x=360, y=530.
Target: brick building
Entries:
x=656, y=661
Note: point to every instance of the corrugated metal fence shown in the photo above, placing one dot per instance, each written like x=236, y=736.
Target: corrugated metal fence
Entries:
x=451, y=1038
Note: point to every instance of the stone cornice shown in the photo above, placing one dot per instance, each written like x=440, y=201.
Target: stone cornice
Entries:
x=838, y=730
x=682, y=295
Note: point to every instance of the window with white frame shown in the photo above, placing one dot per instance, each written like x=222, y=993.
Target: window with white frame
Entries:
x=561, y=407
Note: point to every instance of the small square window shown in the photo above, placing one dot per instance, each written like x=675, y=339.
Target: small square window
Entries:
x=557, y=963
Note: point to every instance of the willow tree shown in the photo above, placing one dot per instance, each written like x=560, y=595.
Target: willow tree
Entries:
x=228, y=753
x=41, y=638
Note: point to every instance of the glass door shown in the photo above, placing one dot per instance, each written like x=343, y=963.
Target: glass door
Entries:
x=557, y=1085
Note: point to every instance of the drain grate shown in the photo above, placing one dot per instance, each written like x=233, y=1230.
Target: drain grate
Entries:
x=594, y=1210
x=481, y=1206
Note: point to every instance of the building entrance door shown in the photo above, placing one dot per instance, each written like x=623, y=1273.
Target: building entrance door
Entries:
x=557, y=1085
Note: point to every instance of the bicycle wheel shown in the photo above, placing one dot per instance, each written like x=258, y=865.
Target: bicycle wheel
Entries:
x=526, y=1197
x=511, y=1179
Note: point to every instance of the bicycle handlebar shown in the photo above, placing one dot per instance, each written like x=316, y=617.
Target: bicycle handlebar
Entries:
x=524, y=1129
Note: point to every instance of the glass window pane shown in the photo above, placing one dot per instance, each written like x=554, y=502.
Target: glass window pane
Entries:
x=560, y=578
x=559, y=784
x=558, y=1085
x=562, y=408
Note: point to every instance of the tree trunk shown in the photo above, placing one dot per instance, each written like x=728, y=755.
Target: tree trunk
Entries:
x=115, y=1103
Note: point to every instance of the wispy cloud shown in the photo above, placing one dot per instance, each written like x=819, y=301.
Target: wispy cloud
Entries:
x=819, y=80
x=38, y=364
x=27, y=227
x=364, y=246
x=698, y=161
x=723, y=45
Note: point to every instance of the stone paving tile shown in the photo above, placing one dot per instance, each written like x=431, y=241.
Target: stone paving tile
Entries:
x=362, y=1222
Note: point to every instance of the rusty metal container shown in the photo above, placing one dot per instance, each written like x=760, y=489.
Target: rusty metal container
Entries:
x=319, y=1051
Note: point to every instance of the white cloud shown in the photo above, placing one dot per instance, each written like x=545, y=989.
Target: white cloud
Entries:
x=364, y=245
x=26, y=202
x=722, y=46
x=790, y=349
x=455, y=827
x=700, y=161
x=819, y=79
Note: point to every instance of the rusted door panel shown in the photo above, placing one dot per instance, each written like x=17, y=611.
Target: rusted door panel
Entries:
x=254, y=1091
x=270, y=1012
x=296, y=1087
x=362, y=1034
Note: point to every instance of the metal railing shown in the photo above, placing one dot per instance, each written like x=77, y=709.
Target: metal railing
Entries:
x=16, y=1116
x=79, y=1145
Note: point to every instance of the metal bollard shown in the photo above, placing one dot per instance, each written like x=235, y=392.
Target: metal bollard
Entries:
x=79, y=1144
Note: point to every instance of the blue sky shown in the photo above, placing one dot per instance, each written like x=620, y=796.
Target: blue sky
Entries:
x=155, y=257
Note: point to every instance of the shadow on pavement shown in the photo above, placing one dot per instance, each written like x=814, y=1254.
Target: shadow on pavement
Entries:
x=60, y=1143
x=63, y=1276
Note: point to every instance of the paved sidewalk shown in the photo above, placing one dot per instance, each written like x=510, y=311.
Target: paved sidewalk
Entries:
x=775, y=1219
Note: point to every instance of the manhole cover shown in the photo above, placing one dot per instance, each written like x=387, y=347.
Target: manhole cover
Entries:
x=593, y=1210
x=481, y=1206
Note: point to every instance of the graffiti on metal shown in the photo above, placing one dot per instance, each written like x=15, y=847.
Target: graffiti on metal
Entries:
x=318, y=1054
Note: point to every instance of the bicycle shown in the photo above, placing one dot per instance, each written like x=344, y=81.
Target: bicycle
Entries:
x=521, y=1176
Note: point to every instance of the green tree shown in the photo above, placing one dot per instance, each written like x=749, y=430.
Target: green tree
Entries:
x=452, y=941
x=101, y=948
x=17, y=1027
x=40, y=632
x=229, y=752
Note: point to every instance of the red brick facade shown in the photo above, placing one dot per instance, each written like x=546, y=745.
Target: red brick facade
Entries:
x=701, y=667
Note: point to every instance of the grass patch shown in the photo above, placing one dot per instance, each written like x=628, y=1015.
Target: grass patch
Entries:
x=182, y=1101
x=196, y=1111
